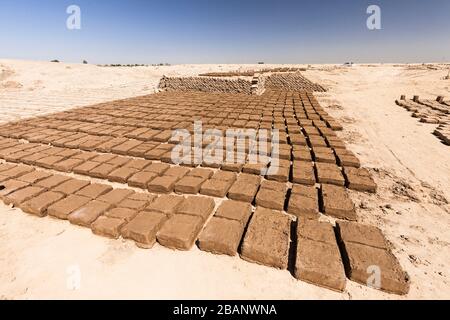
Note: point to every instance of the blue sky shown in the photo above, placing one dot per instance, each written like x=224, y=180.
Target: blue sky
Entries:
x=312, y=31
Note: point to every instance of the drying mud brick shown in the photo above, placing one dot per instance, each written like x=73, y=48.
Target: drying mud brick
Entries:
x=197, y=206
x=108, y=227
x=115, y=196
x=143, y=228
x=94, y=190
x=71, y=186
x=49, y=162
x=34, y=176
x=66, y=206
x=216, y=188
x=304, y=202
x=319, y=263
x=102, y=171
x=141, y=179
x=280, y=174
x=158, y=168
x=362, y=262
x=361, y=234
x=201, y=173
x=189, y=184
x=38, y=205
x=329, y=173
x=221, y=236
x=121, y=175
x=122, y=213
x=337, y=203
x=167, y=204
x=17, y=171
x=86, y=167
x=245, y=188
x=271, y=199
x=52, y=182
x=87, y=214
x=359, y=179
x=180, y=231
x=20, y=196
x=234, y=210
x=303, y=173
x=178, y=172
x=137, y=201
x=164, y=184
x=267, y=239
x=67, y=165
x=10, y=186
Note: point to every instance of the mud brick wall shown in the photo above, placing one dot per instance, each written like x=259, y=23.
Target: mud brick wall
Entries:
x=206, y=85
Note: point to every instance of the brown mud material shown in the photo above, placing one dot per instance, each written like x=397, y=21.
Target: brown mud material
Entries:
x=18, y=197
x=221, y=236
x=180, y=231
x=38, y=205
x=164, y=184
x=267, y=239
x=9, y=186
x=108, y=227
x=141, y=179
x=304, y=202
x=337, y=203
x=64, y=207
x=94, y=190
x=115, y=196
x=143, y=228
x=125, y=214
x=71, y=186
x=245, y=188
x=167, y=204
x=87, y=214
x=234, y=210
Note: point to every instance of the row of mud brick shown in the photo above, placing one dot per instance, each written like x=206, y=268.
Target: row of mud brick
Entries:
x=250, y=73
x=293, y=81
x=323, y=255
x=430, y=111
x=300, y=198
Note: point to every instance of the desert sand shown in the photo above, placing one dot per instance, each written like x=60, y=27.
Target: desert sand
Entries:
x=409, y=164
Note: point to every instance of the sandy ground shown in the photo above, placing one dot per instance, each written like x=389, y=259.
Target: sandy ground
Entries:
x=40, y=258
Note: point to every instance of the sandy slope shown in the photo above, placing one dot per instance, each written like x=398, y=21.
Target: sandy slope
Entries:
x=410, y=165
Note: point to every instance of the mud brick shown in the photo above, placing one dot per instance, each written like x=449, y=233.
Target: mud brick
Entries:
x=245, y=188
x=361, y=234
x=6, y=167
x=224, y=176
x=17, y=156
x=17, y=171
x=148, y=135
x=274, y=185
x=304, y=202
x=34, y=176
x=360, y=259
x=49, y=162
x=115, y=196
x=104, y=158
x=327, y=157
x=197, y=206
x=180, y=231
x=31, y=159
x=94, y=190
x=201, y=173
x=234, y=210
x=66, y=206
x=53, y=151
x=71, y=186
x=108, y=227
x=68, y=153
x=52, y=181
x=119, y=161
x=92, y=143
x=319, y=263
x=167, y=204
x=221, y=236
x=163, y=136
x=300, y=155
x=317, y=141
x=155, y=153
x=330, y=174
x=255, y=168
x=280, y=173
x=337, y=203
x=189, y=184
x=164, y=184
x=178, y=172
x=271, y=199
x=68, y=164
x=349, y=160
x=139, y=164
x=102, y=171
x=137, y=201
x=267, y=239
x=136, y=132
x=359, y=179
x=86, y=167
x=141, y=179
x=143, y=228
x=83, y=155
x=20, y=196
x=231, y=166
x=158, y=168
x=125, y=214
x=216, y=188
x=108, y=145
x=121, y=175
x=88, y=213
x=10, y=186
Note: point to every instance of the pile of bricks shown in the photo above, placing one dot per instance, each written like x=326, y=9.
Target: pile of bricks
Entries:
x=251, y=73
x=291, y=82
x=224, y=208
x=432, y=112
x=208, y=84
